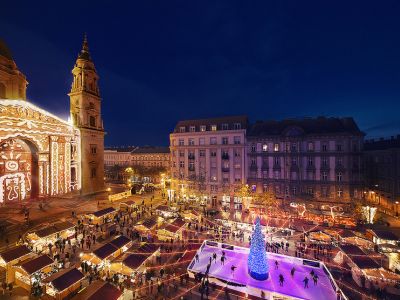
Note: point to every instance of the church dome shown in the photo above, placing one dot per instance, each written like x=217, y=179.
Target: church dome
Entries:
x=4, y=50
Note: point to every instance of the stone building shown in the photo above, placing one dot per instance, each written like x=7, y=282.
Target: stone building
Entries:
x=85, y=107
x=382, y=173
x=118, y=156
x=42, y=155
x=149, y=156
x=208, y=155
x=316, y=161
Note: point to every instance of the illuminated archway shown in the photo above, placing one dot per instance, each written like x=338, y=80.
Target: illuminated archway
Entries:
x=18, y=170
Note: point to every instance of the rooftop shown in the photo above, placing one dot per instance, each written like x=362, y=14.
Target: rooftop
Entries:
x=305, y=126
x=65, y=278
x=105, y=251
x=385, y=235
x=99, y=290
x=229, y=120
x=15, y=253
x=36, y=264
x=150, y=150
x=103, y=212
x=120, y=241
x=382, y=143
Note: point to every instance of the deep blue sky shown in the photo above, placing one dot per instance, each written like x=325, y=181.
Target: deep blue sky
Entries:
x=163, y=61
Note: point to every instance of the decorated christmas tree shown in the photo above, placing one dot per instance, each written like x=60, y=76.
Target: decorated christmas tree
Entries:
x=257, y=260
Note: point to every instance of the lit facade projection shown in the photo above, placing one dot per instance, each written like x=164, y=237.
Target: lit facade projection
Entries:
x=40, y=153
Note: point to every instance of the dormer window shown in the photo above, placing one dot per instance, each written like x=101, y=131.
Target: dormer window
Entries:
x=192, y=129
x=182, y=129
x=237, y=126
x=225, y=126
x=213, y=127
x=203, y=128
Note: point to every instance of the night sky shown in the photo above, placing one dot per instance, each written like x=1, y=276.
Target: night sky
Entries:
x=163, y=61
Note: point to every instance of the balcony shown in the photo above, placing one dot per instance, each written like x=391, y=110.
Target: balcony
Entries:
x=225, y=156
x=191, y=156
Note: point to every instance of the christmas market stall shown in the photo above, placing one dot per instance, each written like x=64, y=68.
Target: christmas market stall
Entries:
x=166, y=212
x=30, y=273
x=173, y=230
x=136, y=261
x=99, y=290
x=11, y=257
x=319, y=237
x=191, y=216
x=40, y=239
x=64, y=283
x=101, y=216
x=102, y=256
x=382, y=237
x=128, y=206
x=145, y=227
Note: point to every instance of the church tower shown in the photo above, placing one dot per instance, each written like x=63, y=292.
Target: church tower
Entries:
x=85, y=112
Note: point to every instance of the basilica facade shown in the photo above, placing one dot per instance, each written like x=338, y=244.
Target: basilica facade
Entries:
x=42, y=155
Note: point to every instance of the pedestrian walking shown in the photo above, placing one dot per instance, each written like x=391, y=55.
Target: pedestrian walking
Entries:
x=305, y=280
x=197, y=258
x=233, y=270
x=276, y=265
x=281, y=279
x=292, y=271
x=315, y=278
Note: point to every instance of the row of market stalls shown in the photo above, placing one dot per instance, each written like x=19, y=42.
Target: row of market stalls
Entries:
x=29, y=271
x=367, y=268
x=40, y=239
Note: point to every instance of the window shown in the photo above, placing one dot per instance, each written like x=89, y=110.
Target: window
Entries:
x=324, y=191
x=181, y=153
x=340, y=192
x=203, y=128
x=182, y=164
x=294, y=161
x=310, y=191
x=324, y=161
x=202, y=141
x=191, y=142
x=182, y=129
x=213, y=153
x=276, y=147
x=213, y=127
x=224, y=141
x=310, y=161
x=91, y=105
x=310, y=146
x=225, y=126
x=277, y=174
x=324, y=147
x=93, y=173
x=339, y=176
x=294, y=148
x=213, y=141
x=237, y=153
x=339, y=161
x=324, y=176
x=253, y=162
x=202, y=153
x=191, y=166
x=236, y=140
x=237, y=126
x=192, y=128
x=276, y=161
x=339, y=147
x=253, y=148
x=93, y=149
x=92, y=121
x=181, y=142
x=265, y=148
x=294, y=190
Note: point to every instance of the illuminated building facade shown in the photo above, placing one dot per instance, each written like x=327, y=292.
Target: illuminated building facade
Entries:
x=208, y=155
x=382, y=173
x=149, y=157
x=311, y=161
x=40, y=153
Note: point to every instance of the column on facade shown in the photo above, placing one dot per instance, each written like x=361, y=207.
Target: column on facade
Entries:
x=54, y=165
x=67, y=164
